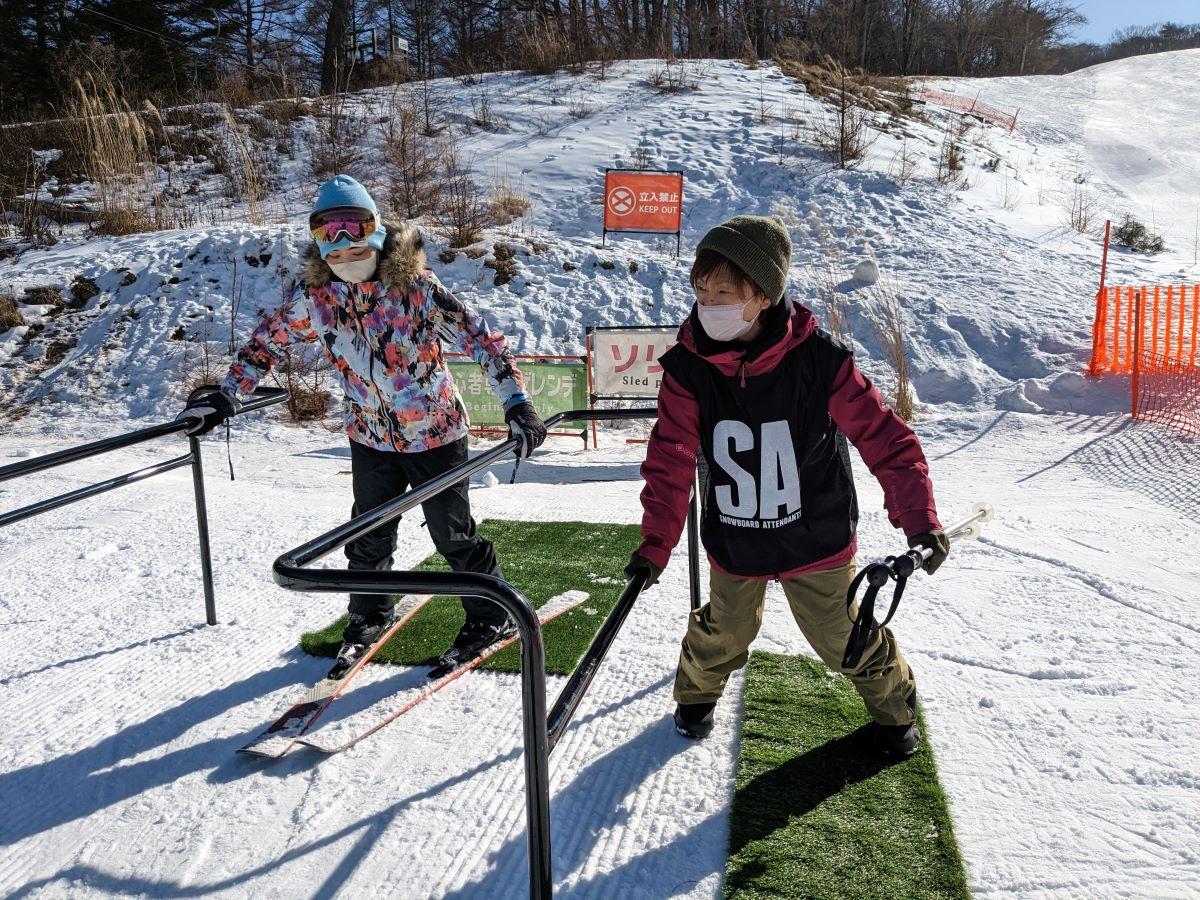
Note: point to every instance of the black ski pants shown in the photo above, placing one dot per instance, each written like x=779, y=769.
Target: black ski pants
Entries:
x=380, y=476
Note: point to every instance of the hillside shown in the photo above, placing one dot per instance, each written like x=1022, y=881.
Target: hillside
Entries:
x=1051, y=656
x=996, y=287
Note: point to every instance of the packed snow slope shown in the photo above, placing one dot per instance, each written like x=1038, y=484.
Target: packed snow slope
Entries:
x=1051, y=656
x=1129, y=127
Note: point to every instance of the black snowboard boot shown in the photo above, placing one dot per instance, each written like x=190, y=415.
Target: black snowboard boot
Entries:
x=897, y=741
x=694, y=720
x=357, y=637
x=472, y=639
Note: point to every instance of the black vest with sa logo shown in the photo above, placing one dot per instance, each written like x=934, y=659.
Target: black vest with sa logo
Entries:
x=778, y=493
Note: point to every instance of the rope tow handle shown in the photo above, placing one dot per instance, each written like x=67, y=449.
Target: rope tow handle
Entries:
x=898, y=569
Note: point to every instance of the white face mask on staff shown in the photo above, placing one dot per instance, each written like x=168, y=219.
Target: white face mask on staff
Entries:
x=725, y=322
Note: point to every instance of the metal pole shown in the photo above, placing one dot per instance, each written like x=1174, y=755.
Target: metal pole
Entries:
x=26, y=512
x=693, y=530
x=84, y=451
x=537, y=749
x=577, y=685
x=210, y=598
x=289, y=573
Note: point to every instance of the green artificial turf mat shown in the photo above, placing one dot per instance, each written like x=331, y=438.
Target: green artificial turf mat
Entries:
x=541, y=560
x=816, y=816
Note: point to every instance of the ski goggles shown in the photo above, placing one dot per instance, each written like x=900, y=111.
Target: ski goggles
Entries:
x=354, y=222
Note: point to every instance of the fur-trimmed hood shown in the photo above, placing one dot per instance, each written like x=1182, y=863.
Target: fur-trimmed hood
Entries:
x=401, y=261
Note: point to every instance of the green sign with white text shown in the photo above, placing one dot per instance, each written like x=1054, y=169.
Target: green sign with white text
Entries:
x=554, y=386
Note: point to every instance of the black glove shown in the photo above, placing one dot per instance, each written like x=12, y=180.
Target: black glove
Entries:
x=210, y=406
x=639, y=564
x=936, y=541
x=526, y=427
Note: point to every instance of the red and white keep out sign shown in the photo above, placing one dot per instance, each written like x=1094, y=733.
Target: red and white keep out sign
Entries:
x=643, y=201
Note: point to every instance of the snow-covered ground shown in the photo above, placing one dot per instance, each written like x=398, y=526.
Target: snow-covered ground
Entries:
x=1055, y=657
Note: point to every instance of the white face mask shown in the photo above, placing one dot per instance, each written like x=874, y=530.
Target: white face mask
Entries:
x=356, y=271
x=724, y=323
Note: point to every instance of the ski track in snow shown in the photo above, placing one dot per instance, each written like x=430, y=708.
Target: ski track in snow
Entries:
x=1055, y=657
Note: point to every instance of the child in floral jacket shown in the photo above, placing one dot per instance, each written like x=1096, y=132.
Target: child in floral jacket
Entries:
x=769, y=400
x=380, y=314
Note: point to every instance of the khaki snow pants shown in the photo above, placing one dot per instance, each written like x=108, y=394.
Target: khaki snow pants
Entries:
x=719, y=635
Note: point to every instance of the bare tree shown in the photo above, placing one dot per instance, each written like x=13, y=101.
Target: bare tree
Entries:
x=334, y=76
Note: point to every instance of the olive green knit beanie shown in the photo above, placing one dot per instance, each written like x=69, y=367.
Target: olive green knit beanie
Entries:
x=759, y=246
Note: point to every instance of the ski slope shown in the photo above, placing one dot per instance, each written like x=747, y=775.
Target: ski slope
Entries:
x=1052, y=656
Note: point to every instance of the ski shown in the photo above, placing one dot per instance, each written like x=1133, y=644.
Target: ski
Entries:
x=344, y=735
x=281, y=735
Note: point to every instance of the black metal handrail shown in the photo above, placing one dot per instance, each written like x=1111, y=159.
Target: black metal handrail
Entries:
x=261, y=398
x=540, y=733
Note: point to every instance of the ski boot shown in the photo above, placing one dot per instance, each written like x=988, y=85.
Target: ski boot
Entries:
x=694, y=720
x=472, y=639
x=360, y=633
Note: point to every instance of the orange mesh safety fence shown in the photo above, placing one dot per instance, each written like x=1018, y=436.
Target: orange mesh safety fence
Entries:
x=971, y=106
x=1157, y=326
x=1167, y=393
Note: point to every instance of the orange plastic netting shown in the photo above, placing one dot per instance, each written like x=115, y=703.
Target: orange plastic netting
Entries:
x=1151, y=334
x=1167, y=393
x=1162, y=321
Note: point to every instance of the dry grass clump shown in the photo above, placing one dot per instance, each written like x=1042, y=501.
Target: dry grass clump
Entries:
x=45, y=295
x=10, y=315
x=116, y=149
x=243, y=174
x=891, y=334
x=510, y=199
x=826, y=274
x=878, y=93
x=542, y=48
x=672, y=75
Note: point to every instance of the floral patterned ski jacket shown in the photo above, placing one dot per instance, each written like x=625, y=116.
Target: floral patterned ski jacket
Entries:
x=384, y=338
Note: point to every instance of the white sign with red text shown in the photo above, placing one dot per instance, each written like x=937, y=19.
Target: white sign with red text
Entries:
x=625, y=360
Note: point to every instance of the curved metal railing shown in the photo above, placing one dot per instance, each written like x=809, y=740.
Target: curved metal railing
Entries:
x=260, y=399
x=540, y=735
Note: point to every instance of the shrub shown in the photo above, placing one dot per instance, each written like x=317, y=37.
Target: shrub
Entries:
x=503, y=263
x=465, y=211
x=10, y=316
x=1081, y=208
x=1133, y=234
x=411, y=159
x=672, y=75
x=542, y=49
x=846, y=135
x=905, y=165
x=950, y=159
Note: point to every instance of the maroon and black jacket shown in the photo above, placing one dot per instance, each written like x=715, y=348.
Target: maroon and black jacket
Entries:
x=771, y=418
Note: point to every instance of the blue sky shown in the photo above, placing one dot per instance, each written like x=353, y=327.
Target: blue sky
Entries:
x=1106, y=16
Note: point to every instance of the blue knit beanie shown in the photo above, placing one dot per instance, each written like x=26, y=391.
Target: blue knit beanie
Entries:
x=342, y=190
